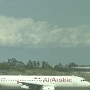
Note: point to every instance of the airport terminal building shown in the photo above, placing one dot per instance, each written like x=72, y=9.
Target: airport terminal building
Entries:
x=81, y=69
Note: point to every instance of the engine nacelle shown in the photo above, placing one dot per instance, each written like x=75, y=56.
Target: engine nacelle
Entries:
x=47, y=88
x=24, y=87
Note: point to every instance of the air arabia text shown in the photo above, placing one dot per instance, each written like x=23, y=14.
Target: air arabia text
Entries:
x=57, y=80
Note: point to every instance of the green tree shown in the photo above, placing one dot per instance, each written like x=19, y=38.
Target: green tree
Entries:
x=12, y=61
x=29, y=64
x=72, y=65
x=38, y=64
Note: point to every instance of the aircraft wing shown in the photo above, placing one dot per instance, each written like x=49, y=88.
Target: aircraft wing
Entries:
x=38, y=86
x=32, y=83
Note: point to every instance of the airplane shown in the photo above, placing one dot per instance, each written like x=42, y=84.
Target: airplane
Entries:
x=41, y=82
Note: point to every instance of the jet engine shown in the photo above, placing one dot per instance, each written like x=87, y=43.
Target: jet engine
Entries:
x=47, y=88
x=24, y=87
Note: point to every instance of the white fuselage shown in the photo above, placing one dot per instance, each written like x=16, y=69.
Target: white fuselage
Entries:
x=57, y=81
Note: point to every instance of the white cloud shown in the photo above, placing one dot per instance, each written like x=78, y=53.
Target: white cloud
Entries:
x=27, y=33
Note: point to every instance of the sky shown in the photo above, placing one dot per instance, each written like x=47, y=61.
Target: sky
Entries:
x=55, y=31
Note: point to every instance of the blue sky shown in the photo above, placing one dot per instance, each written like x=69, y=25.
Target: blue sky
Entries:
x=56, y=31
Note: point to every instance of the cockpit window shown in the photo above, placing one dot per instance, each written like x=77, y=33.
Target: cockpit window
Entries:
x=83, y=80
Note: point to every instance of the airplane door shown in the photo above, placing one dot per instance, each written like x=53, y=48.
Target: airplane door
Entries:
x=74, y=80
x=3, y=79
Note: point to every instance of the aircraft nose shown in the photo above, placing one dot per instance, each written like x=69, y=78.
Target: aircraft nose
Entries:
x=88, y=84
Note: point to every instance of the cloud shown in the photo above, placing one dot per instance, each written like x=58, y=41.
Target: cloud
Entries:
x=25, y=32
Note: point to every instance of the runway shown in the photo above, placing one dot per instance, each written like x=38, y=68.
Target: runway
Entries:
x=56, y=89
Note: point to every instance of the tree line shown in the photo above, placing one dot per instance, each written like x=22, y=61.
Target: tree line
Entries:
x=20, y=66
